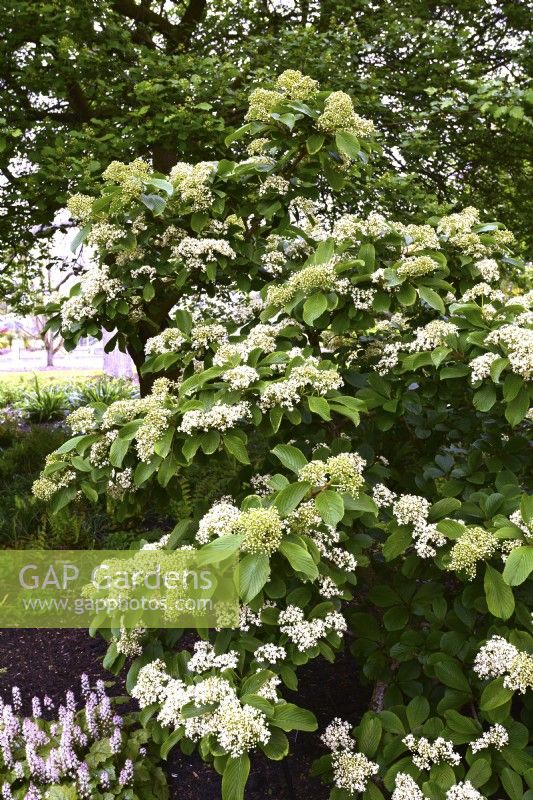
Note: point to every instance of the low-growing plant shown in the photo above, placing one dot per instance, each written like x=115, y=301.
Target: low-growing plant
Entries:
x=104, y=390
x=363, y=385
x=68, y=753
x=44, y=403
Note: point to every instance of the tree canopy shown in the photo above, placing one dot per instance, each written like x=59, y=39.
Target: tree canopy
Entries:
x=82, y=83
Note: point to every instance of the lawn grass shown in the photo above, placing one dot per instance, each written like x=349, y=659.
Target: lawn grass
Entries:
x=48, y=376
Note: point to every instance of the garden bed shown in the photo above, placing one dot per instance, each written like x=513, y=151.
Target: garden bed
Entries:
x=50, y=661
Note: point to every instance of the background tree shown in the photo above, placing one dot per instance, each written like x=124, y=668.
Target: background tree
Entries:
x=84, y=82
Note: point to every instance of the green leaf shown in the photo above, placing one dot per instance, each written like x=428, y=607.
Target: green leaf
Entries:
x=330, y=506
x=526, y=507
x=485, y=398
x=431, y=298
x=369, y=735
x=348, y=144
x=117, y=451
x=289, y=717
x=512, y=783
x=254, y=572
x=451, y=674
x=479, y=773
x=417, y=711
x=391, y=722
x=235, y=445
x=396, y=544
x=494, y=695
x=169, y=743
x=500, y=598
x=290, y=497
x=314, y=143
x=314, y=307
x=320, y=406
x=145, y=471
x=218, y=550
x=80, y=238
x=511, y=386
x=277, y=746
x=154, y=202
x=234, y=778
x=444, y=507
x=367, y=253
x=517, y=409
x=299, y=559
x=290, y=457
x=518, y=566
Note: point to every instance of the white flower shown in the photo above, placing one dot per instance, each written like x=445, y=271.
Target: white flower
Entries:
x=496, y=736
x=220, y=417
x=205, y=658
x=427, y=753
x=494, y=658
x=405, y=788
x=337, y=736
x=463, y=791
x=351, y=771
x=270, y=653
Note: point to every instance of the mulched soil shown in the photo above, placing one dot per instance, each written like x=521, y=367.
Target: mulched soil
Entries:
x=50, y=662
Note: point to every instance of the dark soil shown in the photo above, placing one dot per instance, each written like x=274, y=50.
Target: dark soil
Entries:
x=50, y=662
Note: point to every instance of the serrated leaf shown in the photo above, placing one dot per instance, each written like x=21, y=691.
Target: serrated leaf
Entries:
x=431, y=297
x=518, y=566
x=254, y=572
x=291, y=457
x=291, y=496
x=330, y=506
x=299, y=559
x=500, y=598
x=235, y=776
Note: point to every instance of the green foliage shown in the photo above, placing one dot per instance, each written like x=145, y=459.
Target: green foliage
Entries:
x=362, y=390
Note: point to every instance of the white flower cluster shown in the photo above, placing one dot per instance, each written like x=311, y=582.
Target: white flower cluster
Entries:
x=240, y=377
x=339, y=115
x=197, y=253
x=406, y=788
x=351, y=770
x=417, y=266
x=476, y=544
x=306, y=520
x=306, y=281
x=220, y=417
x=287, y=392
x=496, y=736
x=129, y=641
x=463, y=791
x=518, y=343
x=337, y=736
x=488, y=269
x=237, y=727
x=306, y=634
x=261, y=337
x=426, y=753
x=484, y=290
x=170, y=340
x=81, y=420
x=80, y=207
x=411, y=509
x=327, y=588
x=344, y=472
x=205, y=658
x=459, y=223
x=292, y=84
x=350, y=227
x=382, y=496
x=432, y=335
x=96, y=281
x=526, y=527
x=192, y=183
x=270, y=653
x=274, y=184
x=261, y=528
x=498, y=657
x=219, y=520
x=418, y=237
x=481, y=365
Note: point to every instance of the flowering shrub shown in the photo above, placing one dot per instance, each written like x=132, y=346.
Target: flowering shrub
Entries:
x=365, y=383
x=92, y=752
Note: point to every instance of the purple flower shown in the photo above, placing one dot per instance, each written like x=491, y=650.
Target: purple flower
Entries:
x=115, y=741
x=85, y=685
x=6, y=792
x=70, y=702
x=48, y=702
x=104, y=779
x=33, y=793
x=36, y=707
x=83, y=777
x=17, y=699
x=126, y=773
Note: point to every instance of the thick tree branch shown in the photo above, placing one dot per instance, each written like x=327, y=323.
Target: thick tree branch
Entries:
x=175, y=35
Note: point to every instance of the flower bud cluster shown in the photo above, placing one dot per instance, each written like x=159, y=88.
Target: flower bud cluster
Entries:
x=344, y=472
